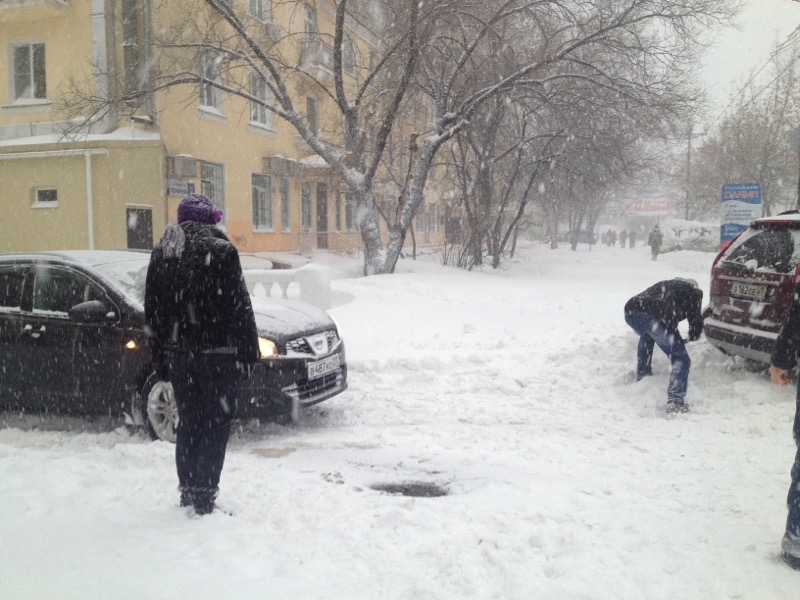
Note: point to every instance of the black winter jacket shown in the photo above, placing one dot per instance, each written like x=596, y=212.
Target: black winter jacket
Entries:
x=787, y=346
x=671, y=302
x=196, y=298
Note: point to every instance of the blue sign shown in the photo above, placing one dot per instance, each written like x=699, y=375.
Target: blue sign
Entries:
x=741, y=203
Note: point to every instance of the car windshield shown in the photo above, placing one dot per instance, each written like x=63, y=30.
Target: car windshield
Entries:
x=128, y=276
x=772, y=249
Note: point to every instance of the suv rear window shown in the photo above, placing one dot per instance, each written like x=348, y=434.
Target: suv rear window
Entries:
x=772, y=249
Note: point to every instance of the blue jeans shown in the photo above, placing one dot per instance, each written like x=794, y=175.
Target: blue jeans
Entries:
x=652, y=331
x=205, y=388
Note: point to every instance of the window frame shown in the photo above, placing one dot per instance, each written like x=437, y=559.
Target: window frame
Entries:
x=312, y=114
x=350, y=212
x=208, y=91
x=260, y=10
x=35, y=88
x=286, y=204
x=263, y=203
x=306, y=194
x=212, y=184
x=260, y=115
x=349, y=57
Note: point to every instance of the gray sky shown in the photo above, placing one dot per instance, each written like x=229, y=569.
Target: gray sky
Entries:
x=738, y=52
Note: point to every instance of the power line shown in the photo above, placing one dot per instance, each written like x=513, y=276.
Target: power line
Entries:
x=791, y=40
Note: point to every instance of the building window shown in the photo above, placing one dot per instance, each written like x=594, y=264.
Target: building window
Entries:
x=312, y=113
x=261, y=10
x=131, y=47
x=29, y=72
x=338, y=208
x=349, y=55
x=286, y=203
x=212, y=184
x=350, y=212
x=46, y=198
x=258, y=111
x=210, y=95
x=309, y=20
x=305, y=205
x=262, y=202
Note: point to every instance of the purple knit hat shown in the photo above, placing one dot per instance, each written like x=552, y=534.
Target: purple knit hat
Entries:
x=196, y=207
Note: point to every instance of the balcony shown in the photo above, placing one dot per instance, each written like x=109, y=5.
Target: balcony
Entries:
x=12, y=11
x=316, y=57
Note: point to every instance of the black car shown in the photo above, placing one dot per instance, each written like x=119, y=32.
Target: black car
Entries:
x=72, y=341
x=752, y=282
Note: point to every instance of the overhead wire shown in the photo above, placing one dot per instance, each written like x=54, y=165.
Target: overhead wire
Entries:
x=791, y=40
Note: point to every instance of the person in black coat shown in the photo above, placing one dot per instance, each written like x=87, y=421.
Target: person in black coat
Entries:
x=783, y=360
x=654, y=240
x=654, y=315
x=204, y=340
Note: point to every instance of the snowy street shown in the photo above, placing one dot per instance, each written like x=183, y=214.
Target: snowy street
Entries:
x=509, y=389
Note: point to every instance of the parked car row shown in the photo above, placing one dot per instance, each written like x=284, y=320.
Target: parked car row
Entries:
x=73, y=341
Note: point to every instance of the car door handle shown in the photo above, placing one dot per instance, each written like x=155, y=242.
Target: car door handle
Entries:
x=29, y=330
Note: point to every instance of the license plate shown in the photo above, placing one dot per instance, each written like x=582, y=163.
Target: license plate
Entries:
x=748, y=291
x=323, y=367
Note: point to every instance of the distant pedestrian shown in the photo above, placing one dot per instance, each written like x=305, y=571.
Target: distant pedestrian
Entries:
x=632, y=238
x=613, y=237
x=655, y=240
x=784, y=359
x=623, y=237
x=654, y=315
x=204, y=341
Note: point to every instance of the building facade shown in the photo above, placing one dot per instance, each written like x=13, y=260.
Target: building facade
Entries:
x=118, y=182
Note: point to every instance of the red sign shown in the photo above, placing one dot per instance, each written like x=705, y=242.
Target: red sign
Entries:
x=653, y=208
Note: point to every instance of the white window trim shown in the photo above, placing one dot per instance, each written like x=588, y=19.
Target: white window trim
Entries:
x=37, y=204
x=209, y=113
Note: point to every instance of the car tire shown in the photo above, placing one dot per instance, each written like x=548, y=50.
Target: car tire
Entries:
x=158, y=409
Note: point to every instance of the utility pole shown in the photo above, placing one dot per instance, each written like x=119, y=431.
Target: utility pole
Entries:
x=689, y=164
x=688, y=170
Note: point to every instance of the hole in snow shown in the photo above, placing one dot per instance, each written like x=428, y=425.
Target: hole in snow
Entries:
x=417, y=489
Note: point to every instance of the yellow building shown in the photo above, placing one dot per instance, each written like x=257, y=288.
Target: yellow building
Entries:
x=119, y=182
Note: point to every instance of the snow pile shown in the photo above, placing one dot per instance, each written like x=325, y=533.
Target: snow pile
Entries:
x=509, y=389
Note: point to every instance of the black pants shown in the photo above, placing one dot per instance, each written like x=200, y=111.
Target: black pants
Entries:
x=205, y=388
x=793, y=498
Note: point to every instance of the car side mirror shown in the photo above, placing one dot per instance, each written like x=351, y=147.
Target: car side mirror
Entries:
x=92, y=311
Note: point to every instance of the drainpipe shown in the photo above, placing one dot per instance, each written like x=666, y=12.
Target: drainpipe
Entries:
x=87, y=157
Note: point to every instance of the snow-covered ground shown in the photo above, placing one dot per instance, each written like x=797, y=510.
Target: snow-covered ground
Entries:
x=511, y=390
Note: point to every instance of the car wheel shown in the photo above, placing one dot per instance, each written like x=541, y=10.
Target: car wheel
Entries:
x=159, y=410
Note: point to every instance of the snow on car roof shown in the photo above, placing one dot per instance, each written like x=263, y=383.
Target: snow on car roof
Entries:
x=785, y=218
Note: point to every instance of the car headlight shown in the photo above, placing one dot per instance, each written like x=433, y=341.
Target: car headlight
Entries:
x=267, y=347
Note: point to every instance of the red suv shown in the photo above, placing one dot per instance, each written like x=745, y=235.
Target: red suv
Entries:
x=752, y=282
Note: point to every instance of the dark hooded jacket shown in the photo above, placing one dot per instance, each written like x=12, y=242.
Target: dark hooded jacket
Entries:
x=787, y=346
x=195, y=298
x=671, y=302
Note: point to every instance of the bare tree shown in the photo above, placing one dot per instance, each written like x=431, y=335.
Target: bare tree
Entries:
x=752, y=144
x=637, y=48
